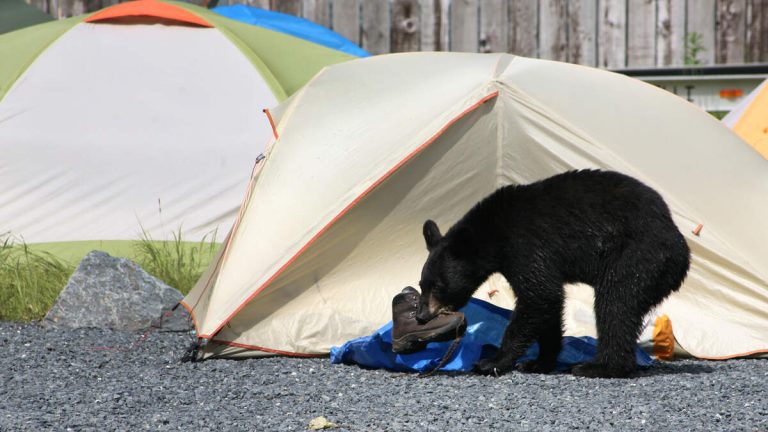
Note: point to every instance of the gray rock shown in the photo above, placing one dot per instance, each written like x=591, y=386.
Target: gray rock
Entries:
x=174, y=320
x=108, y=292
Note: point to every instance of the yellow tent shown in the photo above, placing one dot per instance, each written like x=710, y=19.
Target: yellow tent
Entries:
x=749, y=119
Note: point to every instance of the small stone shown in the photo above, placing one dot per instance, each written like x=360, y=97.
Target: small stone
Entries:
x=321, y=422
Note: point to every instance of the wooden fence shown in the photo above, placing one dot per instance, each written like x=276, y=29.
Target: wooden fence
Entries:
x=603, y=33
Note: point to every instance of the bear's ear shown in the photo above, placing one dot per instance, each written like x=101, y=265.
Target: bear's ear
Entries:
x=463, y=243
x=431, y=234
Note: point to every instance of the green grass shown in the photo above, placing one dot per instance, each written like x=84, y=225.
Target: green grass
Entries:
x=30, y=281
x=175, y=262
x=719, y=114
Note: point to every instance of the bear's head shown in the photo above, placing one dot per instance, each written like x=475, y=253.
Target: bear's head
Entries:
x=451, y=273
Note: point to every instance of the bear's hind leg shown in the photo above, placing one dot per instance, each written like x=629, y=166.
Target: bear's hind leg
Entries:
x=621, y=304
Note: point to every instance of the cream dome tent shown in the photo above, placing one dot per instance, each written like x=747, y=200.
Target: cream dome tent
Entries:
x=144, y=114
x=749, y=119
x=369, y=149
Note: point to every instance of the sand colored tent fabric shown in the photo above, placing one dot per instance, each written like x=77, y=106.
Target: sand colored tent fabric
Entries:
x=145, y=114
x=331, y=227
x=749, y=119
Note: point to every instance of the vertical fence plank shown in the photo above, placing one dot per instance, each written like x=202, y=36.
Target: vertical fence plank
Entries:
x=731, y=31
x=641, y=33
x=406, y=25
x=464, y=18
x=493, y=26
x=261, y=4
x=345, y=16
x=434, y=25
x=375, y=33
x=291, y=7
x=430, y=25
x=522, y=24
x=582, y=32
x=52, y=7
x=670, y=33
x=553, y=30
x=317, y=11
x=68, y=8
x=40, y=4
x=93, y=5
x=612, y=39
x=701, y=22
x=757, y=31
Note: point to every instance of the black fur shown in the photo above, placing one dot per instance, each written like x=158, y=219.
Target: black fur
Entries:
x=601, y=228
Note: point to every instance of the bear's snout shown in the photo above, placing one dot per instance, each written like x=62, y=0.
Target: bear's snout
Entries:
x=424, y=314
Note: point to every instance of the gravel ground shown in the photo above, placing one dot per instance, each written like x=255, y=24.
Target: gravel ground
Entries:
x=78, y=380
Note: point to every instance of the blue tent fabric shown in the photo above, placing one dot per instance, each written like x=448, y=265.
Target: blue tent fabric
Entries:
x=289, y=24
x=485, y=328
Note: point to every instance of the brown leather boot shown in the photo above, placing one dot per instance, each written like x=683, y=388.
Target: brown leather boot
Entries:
x=408, y=336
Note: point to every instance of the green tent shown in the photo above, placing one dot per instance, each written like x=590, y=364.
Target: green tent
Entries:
x=143, y=117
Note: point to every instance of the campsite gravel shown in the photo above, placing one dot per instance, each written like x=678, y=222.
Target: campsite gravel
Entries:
x=96, y=380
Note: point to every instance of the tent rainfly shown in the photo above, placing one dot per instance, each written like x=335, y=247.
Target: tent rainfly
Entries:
x=330, y=229
x=144, y=114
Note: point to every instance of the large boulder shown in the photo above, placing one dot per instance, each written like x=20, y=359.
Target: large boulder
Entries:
x=109, y=292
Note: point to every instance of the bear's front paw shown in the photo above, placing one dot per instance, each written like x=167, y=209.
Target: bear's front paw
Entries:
x=493, y=366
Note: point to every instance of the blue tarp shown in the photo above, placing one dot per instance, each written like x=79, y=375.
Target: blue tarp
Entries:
x=289, y=24
x=485, y=328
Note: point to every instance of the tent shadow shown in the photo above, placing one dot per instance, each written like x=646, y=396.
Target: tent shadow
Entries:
x=674, y=368
x=660, y=369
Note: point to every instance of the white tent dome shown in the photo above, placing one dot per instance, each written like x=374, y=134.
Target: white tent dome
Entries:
x=146, y=115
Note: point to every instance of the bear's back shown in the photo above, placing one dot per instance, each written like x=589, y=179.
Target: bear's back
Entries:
x=577, y=216
x=605, y=196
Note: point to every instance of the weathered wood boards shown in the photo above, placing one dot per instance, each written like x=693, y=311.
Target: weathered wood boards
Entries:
x=603, y=33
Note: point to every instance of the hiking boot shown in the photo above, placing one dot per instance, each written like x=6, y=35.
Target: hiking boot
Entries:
x=408, y=336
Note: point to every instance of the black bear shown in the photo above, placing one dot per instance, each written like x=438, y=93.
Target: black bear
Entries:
x=601, y=228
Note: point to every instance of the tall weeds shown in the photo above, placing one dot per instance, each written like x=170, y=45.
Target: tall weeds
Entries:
x=176, y=262
x=30, y=281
